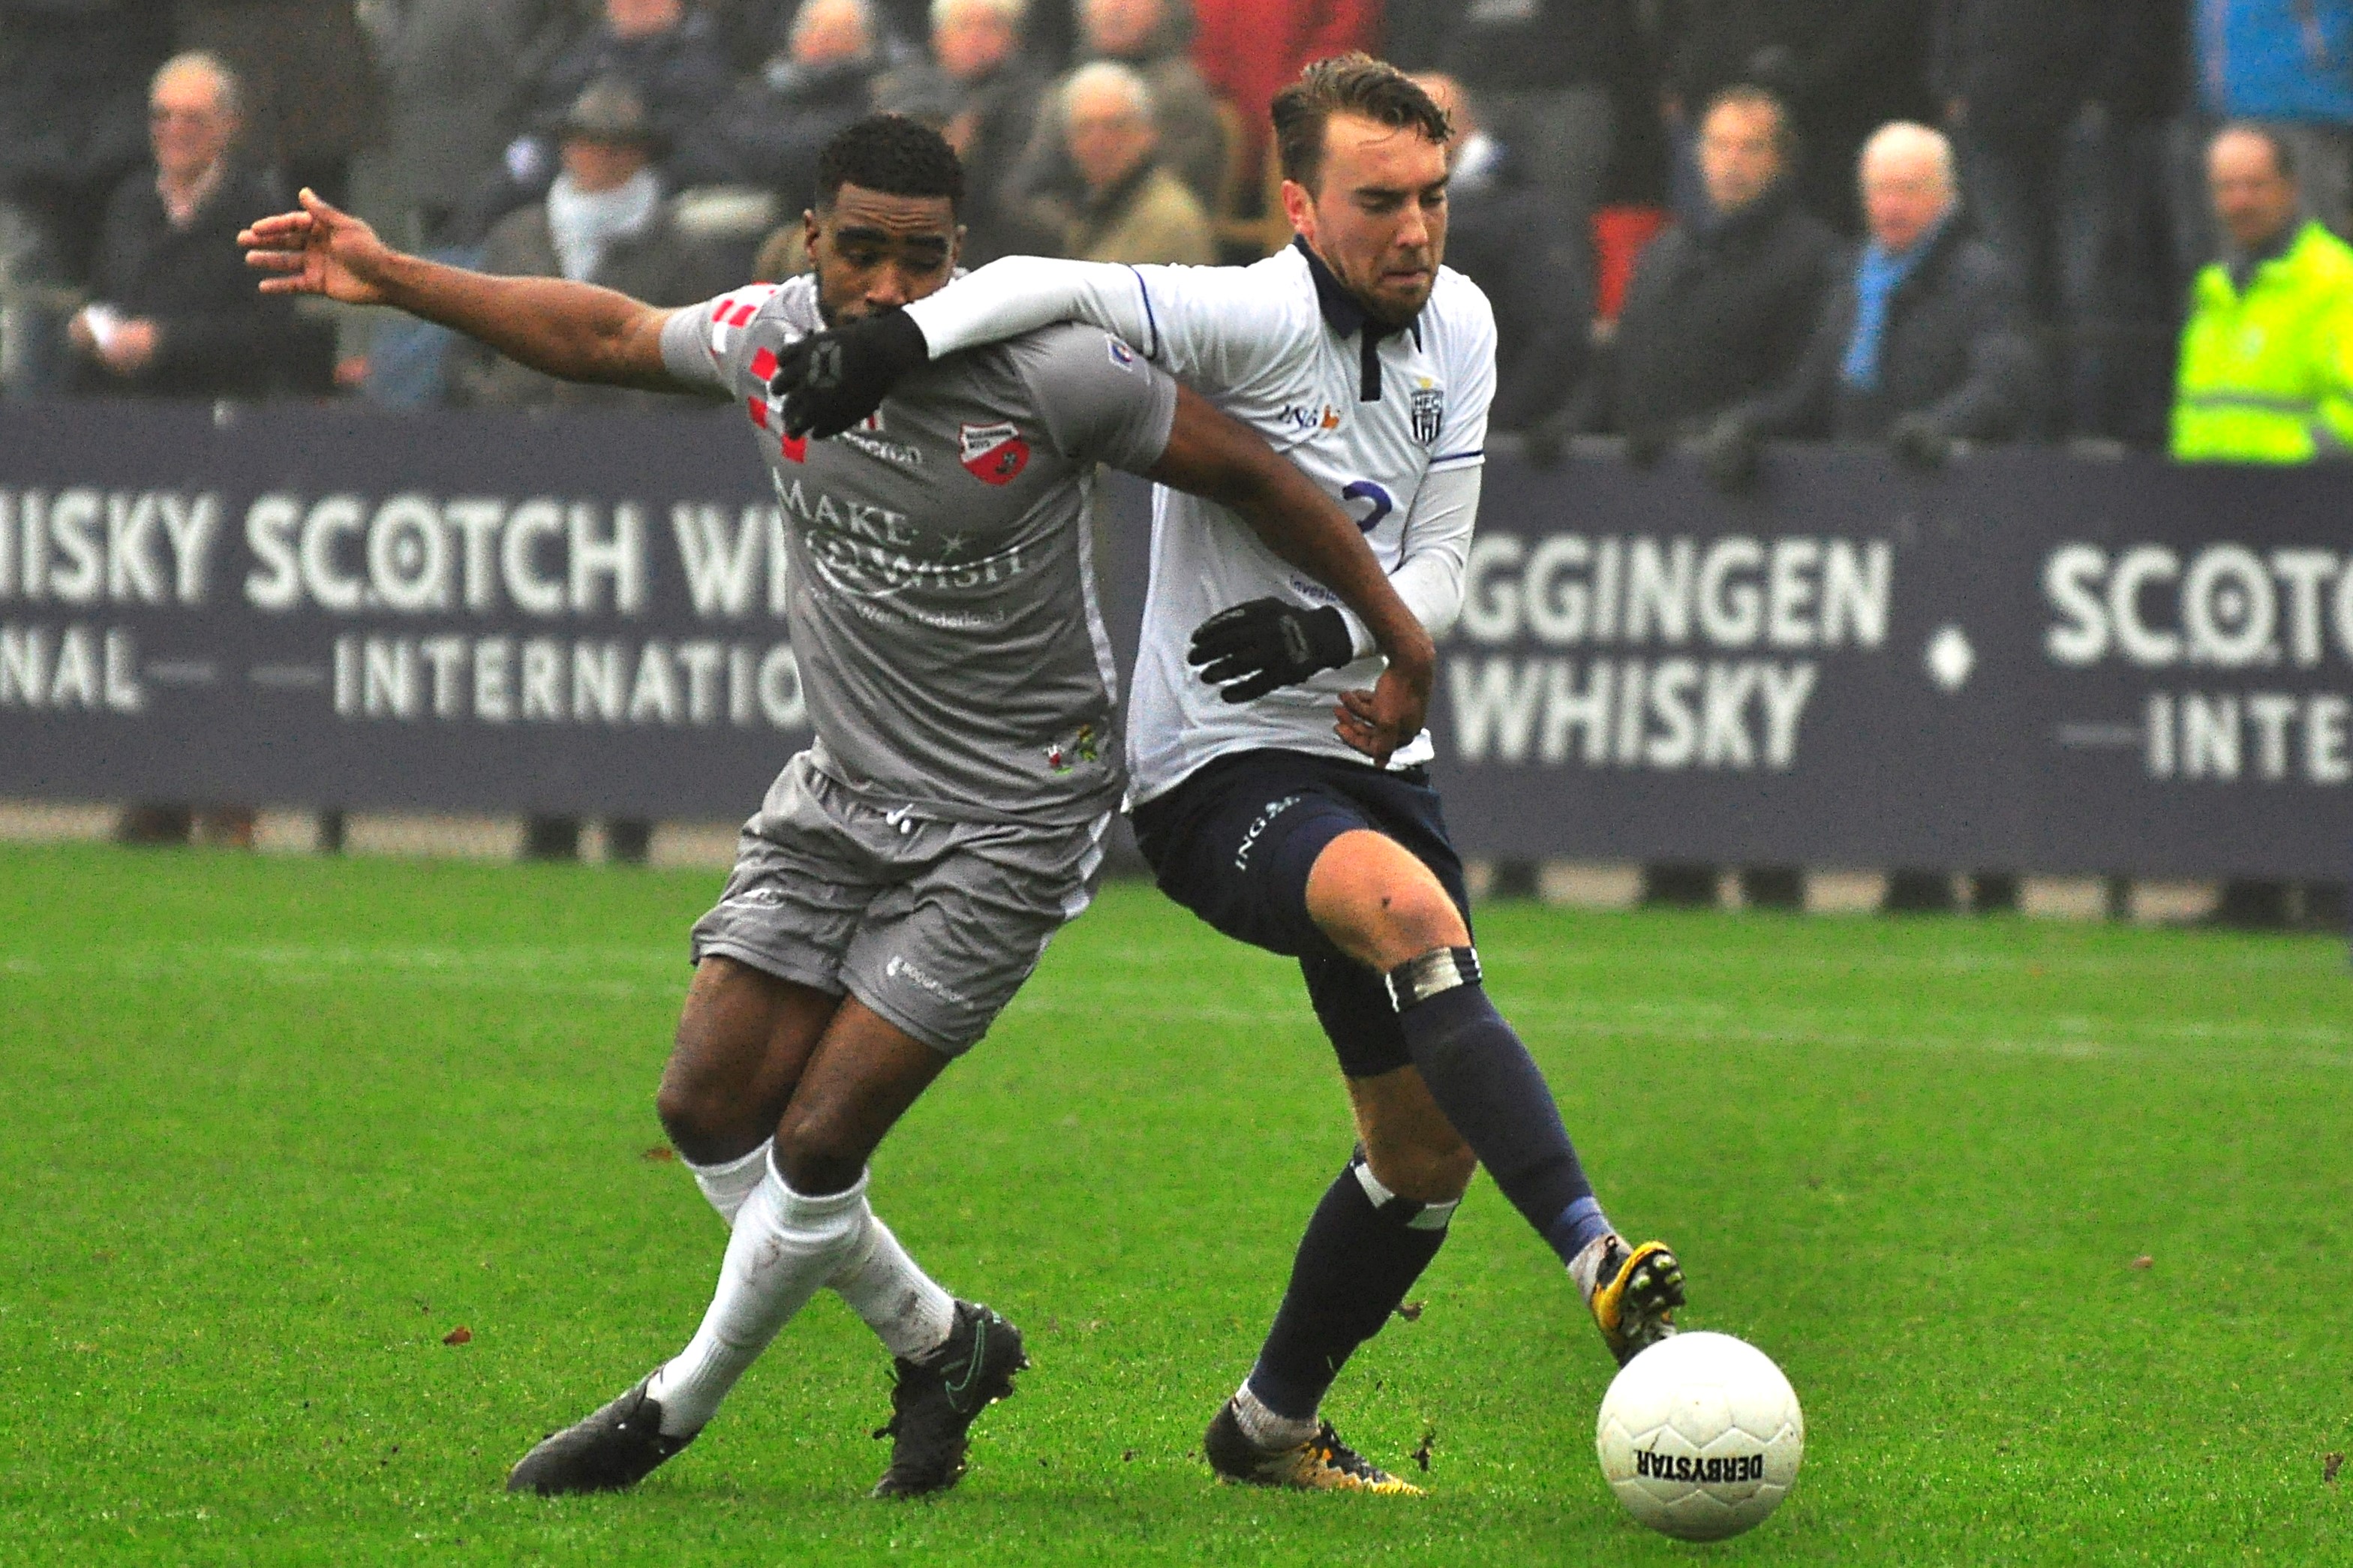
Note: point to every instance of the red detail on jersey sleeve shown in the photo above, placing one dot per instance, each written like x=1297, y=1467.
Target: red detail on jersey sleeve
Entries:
x=764, y=365
x=794, y=448
x=758, y=409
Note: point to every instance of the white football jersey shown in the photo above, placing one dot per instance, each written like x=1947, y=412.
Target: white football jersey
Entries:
x=1395, y=428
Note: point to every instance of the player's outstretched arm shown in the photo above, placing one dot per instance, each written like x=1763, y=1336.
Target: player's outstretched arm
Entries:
x=575, y=330
x=1214, y=456
x=1206, y=324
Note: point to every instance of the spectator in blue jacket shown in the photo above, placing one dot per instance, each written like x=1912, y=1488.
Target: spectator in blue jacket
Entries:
x=1920, y=345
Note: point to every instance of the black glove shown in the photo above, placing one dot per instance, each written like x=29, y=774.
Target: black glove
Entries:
x=1918, y=442
x=1728, y=455
x=831, y=380
x=1252, y=648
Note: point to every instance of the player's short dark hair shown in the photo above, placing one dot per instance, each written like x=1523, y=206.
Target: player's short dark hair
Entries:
x=1354, y=84
x=890, y=155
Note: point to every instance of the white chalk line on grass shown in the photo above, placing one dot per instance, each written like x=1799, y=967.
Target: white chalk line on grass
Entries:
x=495, y=960
x=534, y=971
x=1824, y=1021
x=2270, y=956
x=2288, y=957
x=355, y=954
x=1708, y=1016
x=1705, y=1025
x=567, y=971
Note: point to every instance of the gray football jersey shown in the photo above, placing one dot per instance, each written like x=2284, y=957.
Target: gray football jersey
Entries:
x=941, y=601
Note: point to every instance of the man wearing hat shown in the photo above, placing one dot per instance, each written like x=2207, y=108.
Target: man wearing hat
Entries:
x=604, y=221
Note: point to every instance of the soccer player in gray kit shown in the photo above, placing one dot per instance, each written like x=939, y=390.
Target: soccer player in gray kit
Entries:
x=1370, y=365
x=905, y=872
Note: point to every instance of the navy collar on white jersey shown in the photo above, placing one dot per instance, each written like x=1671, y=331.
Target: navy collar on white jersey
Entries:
x=1347, y=317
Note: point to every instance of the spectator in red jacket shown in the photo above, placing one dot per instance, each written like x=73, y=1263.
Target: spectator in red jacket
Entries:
x=1247, y=51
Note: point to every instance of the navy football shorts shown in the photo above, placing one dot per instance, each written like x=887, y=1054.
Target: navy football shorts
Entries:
x=1234, y=844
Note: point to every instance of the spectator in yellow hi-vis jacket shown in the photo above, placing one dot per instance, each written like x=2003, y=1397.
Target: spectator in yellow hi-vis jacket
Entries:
x=2266, y=373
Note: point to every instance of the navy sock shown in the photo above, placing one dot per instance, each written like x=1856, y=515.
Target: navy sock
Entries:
x=1355, y=1265
x=1492, y=1089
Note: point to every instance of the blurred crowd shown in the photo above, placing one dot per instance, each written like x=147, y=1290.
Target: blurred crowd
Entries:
x=1704, y=222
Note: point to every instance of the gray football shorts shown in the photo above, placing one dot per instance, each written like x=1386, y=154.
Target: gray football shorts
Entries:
x=934, y=925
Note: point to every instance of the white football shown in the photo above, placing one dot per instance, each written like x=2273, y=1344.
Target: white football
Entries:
x=1699, y=1436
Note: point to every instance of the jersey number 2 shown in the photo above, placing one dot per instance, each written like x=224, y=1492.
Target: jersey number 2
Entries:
x=1365, y=489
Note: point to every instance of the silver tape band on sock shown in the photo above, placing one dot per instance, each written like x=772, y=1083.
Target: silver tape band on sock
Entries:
x=1441, y=969
x=1433, y=1216
x=1427, y=1217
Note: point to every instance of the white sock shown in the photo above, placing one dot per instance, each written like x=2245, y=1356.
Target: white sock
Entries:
x=904, y=1306
x=727, y=1185
x=785, y=1245
x=1264, y=1428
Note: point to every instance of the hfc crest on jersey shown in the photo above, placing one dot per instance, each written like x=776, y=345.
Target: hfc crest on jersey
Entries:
x=993, y=453
x=1429, y=413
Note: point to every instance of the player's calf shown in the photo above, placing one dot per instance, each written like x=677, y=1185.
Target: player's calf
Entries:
x=1363, y=1248
x=1407, y=1141
x=1479, y=1073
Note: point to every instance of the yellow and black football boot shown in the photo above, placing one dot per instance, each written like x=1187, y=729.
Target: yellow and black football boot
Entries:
x=1321, y=1464
x=1634, y=1295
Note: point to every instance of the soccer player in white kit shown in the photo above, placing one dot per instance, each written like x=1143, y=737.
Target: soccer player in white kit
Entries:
x=1369, y=364
x=905, y=872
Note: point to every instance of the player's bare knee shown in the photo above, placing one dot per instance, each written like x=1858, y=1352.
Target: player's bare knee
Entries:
x=1430, y=1166
x=1408, y=920
x=702, y=1122
x=707, y=1098
x=819, y=1150
x=1426, y=1177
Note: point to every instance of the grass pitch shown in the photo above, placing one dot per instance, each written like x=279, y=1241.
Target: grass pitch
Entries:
x=272, y=1130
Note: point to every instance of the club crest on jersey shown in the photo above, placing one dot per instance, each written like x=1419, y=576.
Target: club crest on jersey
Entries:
x=993, y=453
x=1429, y=413
x=1081, y=746
x=1120, y=355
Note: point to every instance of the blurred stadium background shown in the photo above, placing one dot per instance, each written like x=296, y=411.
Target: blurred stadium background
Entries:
x=2035, y=598
x=2042, y=668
